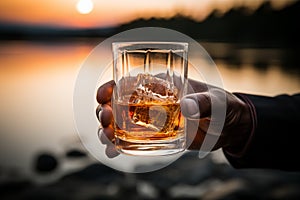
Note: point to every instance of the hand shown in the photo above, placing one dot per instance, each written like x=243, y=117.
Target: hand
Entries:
x=196, y=107
x=105, y=116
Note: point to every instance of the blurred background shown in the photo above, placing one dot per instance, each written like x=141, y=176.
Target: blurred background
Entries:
x=254, y=43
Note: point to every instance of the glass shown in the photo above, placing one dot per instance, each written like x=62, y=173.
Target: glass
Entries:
x=151, y=78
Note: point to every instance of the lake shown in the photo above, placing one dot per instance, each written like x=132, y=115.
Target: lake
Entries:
x=36, y=88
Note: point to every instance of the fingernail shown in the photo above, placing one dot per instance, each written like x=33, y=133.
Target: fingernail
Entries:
x=98, y=109
x=190, y=108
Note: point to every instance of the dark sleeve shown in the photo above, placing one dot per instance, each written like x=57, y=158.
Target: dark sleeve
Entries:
x=275, y=141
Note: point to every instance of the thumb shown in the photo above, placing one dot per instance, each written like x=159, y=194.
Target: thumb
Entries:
x=196, y=106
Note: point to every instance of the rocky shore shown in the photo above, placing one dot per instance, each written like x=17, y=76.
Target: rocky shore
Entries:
x=186, y=178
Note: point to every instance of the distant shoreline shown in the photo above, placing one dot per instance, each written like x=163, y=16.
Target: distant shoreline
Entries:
x=263, y=28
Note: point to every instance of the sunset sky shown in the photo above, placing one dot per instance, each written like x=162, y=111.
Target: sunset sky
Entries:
x=94, y=13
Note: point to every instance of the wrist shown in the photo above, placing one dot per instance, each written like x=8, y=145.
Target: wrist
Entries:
x=244, y=129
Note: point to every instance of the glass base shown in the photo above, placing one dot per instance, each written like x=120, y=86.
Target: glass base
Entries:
x=150, y=148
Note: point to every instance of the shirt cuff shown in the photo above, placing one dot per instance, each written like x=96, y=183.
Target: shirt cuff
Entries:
x=253, y=114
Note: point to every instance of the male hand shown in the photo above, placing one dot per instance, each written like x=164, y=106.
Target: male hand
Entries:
x=196, y=107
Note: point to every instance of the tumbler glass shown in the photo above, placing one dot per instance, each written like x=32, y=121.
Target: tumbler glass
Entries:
x=151, y=78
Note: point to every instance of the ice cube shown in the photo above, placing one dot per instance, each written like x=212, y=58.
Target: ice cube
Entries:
x=153, y=89
x=154, y=99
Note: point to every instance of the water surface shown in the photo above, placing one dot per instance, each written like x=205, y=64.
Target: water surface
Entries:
x=37, y=82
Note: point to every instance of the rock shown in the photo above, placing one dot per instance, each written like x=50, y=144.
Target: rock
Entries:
x=14, y=187
x=95, y=173
x=75, y=154
x=188, y=169
x=229, y=189
x=146, y=190
x=45, y=163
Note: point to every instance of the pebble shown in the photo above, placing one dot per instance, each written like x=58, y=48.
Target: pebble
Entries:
x=45, y=163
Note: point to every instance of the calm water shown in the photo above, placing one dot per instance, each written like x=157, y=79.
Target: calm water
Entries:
x=36, y=89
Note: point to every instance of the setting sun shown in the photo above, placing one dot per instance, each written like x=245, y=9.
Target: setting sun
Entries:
x=84, y=6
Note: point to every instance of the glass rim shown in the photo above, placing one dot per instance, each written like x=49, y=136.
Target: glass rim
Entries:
x=120, y=45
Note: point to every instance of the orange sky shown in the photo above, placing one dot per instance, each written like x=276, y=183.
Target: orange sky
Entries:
x=113, y=12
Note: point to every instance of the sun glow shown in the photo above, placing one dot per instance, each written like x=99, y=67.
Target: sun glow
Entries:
x=84, y=6
x=97, y=13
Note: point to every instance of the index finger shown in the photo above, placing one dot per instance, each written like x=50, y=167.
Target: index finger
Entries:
x=105, y=91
